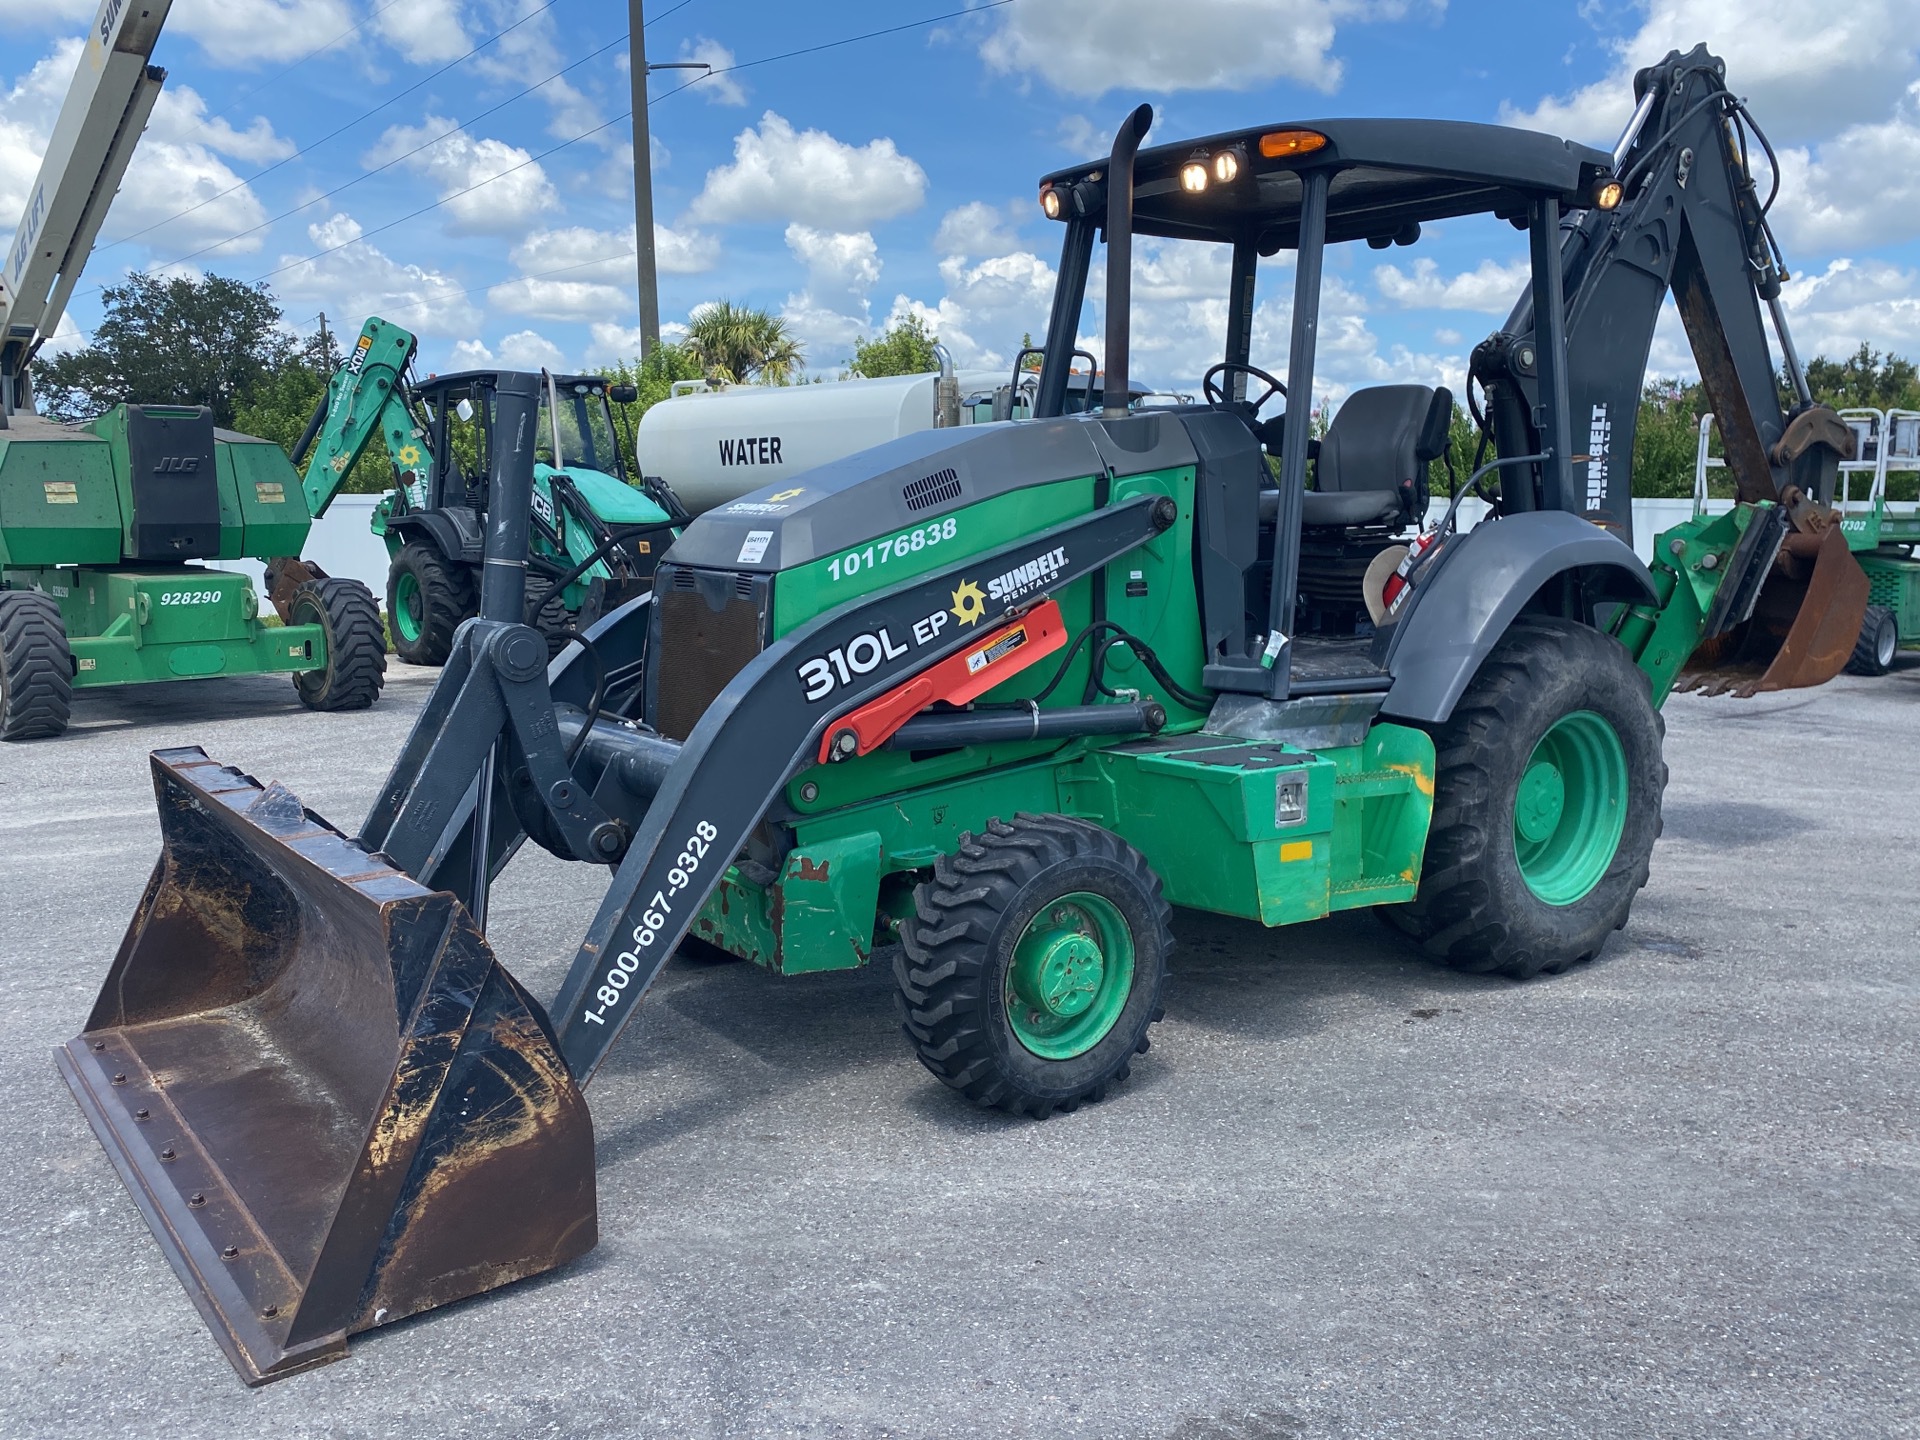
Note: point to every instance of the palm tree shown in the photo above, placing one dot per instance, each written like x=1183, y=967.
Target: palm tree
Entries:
x=739, y=344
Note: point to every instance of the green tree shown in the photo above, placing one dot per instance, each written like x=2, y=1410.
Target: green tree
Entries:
x=739, y=344
x=1666, y=438
x=171, y=340
x=1866, y=379
x=905, y=348
x=653, y=379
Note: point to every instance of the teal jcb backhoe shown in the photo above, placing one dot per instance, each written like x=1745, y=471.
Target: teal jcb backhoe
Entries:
x=594, y=536
x=996, y=697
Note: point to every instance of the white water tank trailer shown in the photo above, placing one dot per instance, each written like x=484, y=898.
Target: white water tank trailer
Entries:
x=715, y=445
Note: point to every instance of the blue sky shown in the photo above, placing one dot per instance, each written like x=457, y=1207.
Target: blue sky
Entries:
x=846, y=186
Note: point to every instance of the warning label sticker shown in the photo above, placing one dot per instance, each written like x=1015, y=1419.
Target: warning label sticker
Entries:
x=986, y=655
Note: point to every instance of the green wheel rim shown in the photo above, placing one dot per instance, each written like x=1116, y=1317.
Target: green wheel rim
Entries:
x=1570, y=808
x=1070, y=976
x=408, y=610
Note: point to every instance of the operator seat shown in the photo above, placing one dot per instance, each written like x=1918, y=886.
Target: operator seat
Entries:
x=1373, y=460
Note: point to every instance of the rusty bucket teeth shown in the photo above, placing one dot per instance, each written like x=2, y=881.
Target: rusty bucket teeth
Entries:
x=331, y=1103
x=1803, y=627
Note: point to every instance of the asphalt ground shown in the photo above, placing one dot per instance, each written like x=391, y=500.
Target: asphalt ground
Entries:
x=1673, y=1193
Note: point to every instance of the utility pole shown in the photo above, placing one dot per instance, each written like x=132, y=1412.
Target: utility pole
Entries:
x=643, y=173
x=326, y=340
x=643, y=183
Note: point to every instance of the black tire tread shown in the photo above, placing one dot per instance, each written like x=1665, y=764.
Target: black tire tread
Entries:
x=36, y=667
x=1865, y=659
x=940, y=967
x=1454, y=919
x=446, y=596
x=547, y=612
x=356, y=666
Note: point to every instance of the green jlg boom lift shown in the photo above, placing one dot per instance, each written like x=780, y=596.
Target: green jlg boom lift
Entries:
x=1004, y=694
x=104, y=527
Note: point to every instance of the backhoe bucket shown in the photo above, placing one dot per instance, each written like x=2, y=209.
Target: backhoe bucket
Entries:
x=1803, y=627
x=333, y=1106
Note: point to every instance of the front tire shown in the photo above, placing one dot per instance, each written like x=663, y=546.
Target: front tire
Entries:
x=36, y=667
x=1034, y=964
x=356, y=665
x=428, y=597
x=1546, y=806
x=1879, y=639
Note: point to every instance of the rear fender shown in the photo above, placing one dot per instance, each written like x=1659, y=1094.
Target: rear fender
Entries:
x=455, y=531
x=1483, y=580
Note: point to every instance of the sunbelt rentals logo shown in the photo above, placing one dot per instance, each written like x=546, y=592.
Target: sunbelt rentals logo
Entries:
x=1036, y=574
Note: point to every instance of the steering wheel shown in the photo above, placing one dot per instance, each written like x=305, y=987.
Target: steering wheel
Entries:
x=1216, y=393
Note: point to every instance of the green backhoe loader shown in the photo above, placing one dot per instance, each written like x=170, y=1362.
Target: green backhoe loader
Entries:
x=997, y=696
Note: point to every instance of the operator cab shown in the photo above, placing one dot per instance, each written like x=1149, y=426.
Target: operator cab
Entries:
x=1296, y=532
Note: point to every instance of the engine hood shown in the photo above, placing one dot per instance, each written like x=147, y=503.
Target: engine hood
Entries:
x=912, y=480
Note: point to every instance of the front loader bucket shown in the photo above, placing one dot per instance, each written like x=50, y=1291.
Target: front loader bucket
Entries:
x=333, y=1106
x=1803, y=627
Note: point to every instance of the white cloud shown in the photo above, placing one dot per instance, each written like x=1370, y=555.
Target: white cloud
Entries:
x=359, y=280
x=522, y=350
x=1853, y=301
x=530, y=350
x=558, y=298
x=529, y=49
x=1860, y=188
x=986, y=308
x=975, y=228
x=579, y=273
x=244, y=32
x=714, y=88
x=833, y=310
x=512, y=189
x=1490, y=288
x=1809, y=67
x=180, y=115
x=808, y=176
x=425, y=32
x=1155, y=46
x=174, y=168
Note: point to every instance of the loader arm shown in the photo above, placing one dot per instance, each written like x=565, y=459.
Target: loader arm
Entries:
x=366, y=397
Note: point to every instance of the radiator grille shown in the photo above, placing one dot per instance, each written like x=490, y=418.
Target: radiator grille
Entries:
x=934, y=489
x=711, y=624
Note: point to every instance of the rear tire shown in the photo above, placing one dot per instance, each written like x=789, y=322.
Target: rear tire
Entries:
x=428, y=596
x=36, y=667
x=356, y=665
x=1034, y=964
x=1879, y=639
x=1546, y=806
x=547, y=612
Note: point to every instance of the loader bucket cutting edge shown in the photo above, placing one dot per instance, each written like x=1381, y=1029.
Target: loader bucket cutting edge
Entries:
x=333, y=1106
x=1803, y=627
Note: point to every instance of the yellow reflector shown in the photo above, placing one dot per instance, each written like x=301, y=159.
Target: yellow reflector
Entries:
x=1296, y=850
x=1280, y=144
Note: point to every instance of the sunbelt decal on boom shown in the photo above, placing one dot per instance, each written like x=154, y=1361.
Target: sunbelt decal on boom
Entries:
x=1024, y=580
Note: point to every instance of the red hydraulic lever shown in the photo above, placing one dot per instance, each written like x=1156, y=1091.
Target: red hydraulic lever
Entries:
x=957, y=679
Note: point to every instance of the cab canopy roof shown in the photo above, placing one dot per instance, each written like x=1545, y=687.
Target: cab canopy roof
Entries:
x=1387, y=177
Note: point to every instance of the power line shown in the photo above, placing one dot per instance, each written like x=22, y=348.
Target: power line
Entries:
x=340, y=130
x=605, y=125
